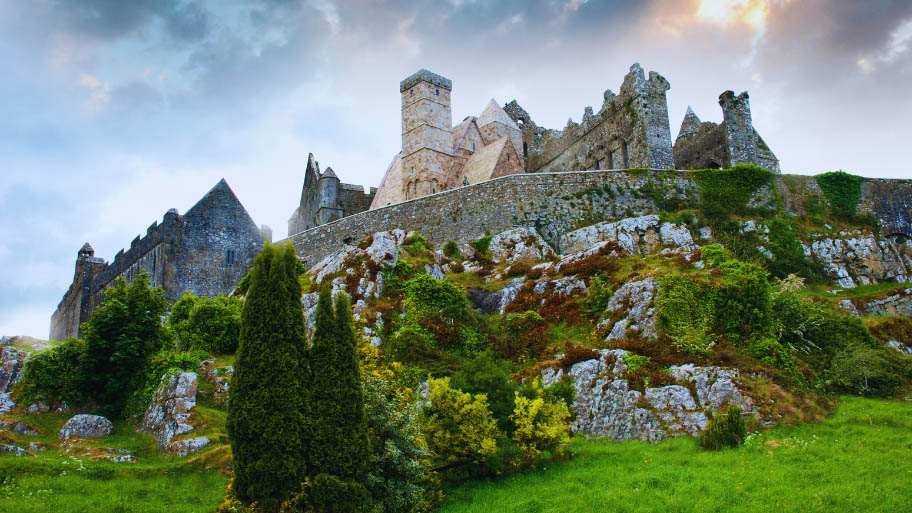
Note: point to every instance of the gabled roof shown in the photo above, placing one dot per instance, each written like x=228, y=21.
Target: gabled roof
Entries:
x=461, y=130
x=329, y=174
x=691, y=124
x=480, y=166
x=493, y=113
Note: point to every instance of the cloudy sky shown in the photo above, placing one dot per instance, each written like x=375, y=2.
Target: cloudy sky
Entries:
x=112, y=111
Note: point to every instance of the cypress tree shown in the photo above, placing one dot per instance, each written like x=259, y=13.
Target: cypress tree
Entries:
x=340, y=450
x=268, y=407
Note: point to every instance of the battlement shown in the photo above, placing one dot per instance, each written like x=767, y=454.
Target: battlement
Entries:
x=424, y=75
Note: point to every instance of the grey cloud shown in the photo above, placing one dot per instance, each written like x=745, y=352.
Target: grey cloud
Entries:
x=112, y=19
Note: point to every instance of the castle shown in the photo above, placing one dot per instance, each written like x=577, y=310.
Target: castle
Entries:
x=206, y=251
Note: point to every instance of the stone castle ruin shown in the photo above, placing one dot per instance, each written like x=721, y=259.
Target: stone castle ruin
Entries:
x=206, y=251
x=631, y=130
x=324, y=199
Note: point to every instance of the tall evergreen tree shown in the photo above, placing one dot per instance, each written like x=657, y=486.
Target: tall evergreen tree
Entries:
x=340, y=450
x=268, y=407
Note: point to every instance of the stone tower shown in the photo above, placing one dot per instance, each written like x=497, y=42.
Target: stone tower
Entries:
x=736, y=116
x=328, y=187
x=427, y=138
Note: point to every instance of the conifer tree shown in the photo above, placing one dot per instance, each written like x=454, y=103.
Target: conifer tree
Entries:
x=268, y=407
x=339, y=448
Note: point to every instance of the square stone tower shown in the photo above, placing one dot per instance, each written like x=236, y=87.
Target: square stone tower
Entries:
x=427, y=138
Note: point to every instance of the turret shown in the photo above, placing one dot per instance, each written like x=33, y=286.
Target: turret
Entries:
x=328, y=197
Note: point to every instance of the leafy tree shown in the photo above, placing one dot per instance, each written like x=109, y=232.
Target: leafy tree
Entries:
x=339, y=452
x=267, y=409
x=120, y=336
x=207, y=323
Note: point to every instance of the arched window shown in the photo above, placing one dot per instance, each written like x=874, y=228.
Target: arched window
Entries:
x=525, y=149
x=626, y=156
x=437, y=92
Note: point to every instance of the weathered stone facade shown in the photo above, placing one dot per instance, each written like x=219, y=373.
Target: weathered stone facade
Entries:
x=206, y=251
x=735, y=141
x=324, y=198
x=555, y=204
x=631, y=130
x=437, y=156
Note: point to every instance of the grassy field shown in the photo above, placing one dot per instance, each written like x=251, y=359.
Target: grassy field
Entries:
x=860, y=459
x=857, y=460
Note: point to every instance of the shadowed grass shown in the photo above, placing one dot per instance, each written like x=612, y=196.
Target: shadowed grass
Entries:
x=857, y=460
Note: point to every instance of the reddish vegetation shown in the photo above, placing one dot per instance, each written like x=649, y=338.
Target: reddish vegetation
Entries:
x=576, y=354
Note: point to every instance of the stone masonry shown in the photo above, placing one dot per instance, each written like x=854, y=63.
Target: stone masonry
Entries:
x=554, y=204
x=325, y=198
x=206, y=251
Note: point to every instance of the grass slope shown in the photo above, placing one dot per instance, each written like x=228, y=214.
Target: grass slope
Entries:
x=857, y=460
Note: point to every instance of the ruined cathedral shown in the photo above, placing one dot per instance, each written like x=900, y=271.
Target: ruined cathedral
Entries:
x=631, y=129
x=208, y=249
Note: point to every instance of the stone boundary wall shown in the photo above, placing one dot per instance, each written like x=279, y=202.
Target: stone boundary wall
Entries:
x=555, y=203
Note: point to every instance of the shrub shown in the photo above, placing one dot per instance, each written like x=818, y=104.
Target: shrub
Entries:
x=399, y=475
x=600, y=291
x=520, y=335
x=206, y=323
x=685, y=313
x=842, y=190
x=788, y=254
x=451, y=249
x=864, y=370
x=440, y=311
x=481, y=375
x=481, y=245
x=635, y=361
x=415, y=243
x=743, y=306
x=120, y=337
x=458, y=426
x=725, y=192
x=267, y=417
x=576, y=354
x=541, y=426
x=53, y=375
x=724, y=430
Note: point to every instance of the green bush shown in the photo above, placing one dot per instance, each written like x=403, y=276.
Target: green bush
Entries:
x=206, y=323
x=685, y=313
x=54, y=375
x=121, y=335
x=267, y=412
x=540, y=427
x=788, y=254
x=861, y=369
x=724, y=430
x=451, y=249
x=399, y=478
x=334, y=495
x=481, y=245
x=415, y=243
x=441, y=314
x=459, y=427
x=743, y=305
x=726, y=192
x=482, y=375
x=842, y=190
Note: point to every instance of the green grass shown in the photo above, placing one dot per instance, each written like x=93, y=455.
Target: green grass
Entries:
x=857, y=460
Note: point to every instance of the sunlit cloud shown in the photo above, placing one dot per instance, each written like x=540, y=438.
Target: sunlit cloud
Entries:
x=897, y=45
x=730, y=12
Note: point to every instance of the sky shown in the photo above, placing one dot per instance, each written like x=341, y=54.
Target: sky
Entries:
x=112, y=112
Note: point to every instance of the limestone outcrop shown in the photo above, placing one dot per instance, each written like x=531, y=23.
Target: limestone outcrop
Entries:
x=630, y=309
x=899, y=303
x=168, y=414
x=520, y=245
x=12, y=364
x=633, y=236
x=861, y=259
x=607, y=406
